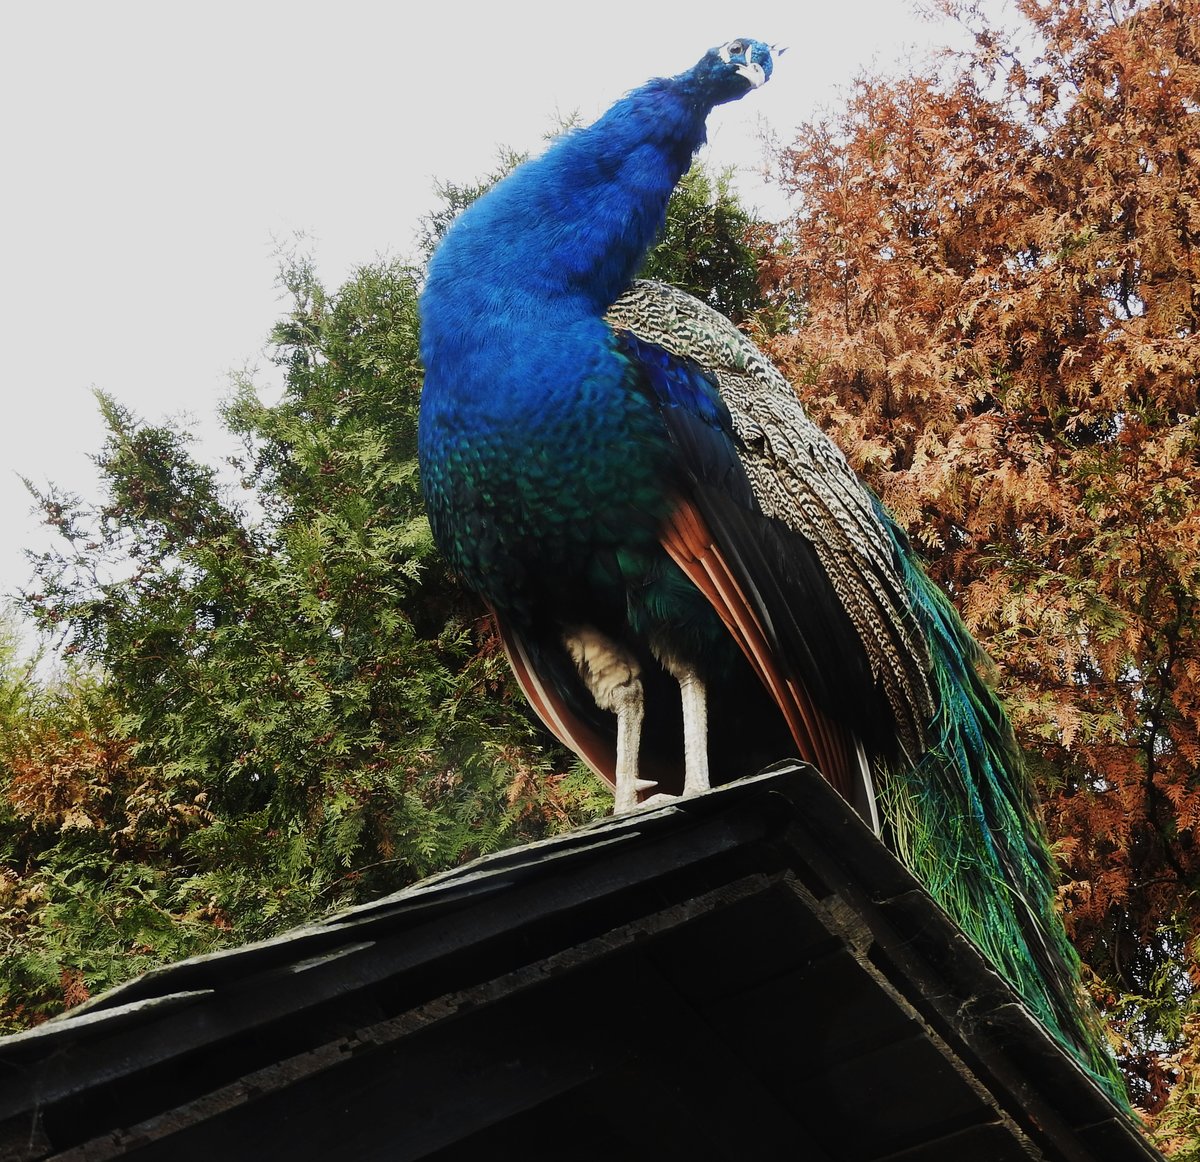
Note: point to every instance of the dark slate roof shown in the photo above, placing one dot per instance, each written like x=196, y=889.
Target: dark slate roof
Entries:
x=747, y=975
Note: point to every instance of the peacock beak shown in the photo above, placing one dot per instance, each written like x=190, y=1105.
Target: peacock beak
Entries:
x=754, y=73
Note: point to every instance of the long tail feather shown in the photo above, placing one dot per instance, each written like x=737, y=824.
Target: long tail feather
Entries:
x=964, y=820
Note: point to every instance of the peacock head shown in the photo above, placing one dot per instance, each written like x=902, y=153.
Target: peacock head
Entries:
x=732, y=70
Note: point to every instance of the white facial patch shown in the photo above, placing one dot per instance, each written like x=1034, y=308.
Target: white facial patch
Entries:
x=752, y=71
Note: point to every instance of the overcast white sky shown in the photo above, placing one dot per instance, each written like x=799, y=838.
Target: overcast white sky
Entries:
x=153, y=152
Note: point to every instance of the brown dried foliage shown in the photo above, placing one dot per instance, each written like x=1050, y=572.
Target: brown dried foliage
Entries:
x=997, y=267
x=84, y=779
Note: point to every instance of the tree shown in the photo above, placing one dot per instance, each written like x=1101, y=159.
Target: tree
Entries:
x=707, y=247
x=304, y=664
x=89, y=845
x=295, y=710
x=997, y=268
x=284, y=703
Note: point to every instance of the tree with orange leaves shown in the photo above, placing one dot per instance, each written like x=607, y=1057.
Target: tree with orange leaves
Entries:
x=995, y=274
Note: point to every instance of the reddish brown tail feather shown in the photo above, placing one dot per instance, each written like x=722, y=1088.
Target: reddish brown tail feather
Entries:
x=692, y=547
x=818, y=739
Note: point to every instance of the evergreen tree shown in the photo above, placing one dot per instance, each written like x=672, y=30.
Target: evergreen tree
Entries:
x=283, y=703
x=708, y=246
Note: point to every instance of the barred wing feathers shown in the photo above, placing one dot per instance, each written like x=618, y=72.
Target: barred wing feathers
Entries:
x=801, y=479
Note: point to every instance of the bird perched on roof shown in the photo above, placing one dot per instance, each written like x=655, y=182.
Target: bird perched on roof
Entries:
x=686, y=574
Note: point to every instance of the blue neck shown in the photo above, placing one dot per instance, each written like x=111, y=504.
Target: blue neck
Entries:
x=566, y=233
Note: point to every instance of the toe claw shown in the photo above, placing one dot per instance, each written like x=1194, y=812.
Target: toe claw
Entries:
x=659, y=800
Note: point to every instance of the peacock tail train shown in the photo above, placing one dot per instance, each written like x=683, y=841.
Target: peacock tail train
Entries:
x=684, y=570
x=964, y=820
x=956, y=803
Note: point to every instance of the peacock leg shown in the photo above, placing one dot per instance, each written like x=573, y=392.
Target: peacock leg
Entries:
x=613, y=677
x=694, y=697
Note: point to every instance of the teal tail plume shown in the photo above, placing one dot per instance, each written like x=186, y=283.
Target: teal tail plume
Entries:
x=964, y=820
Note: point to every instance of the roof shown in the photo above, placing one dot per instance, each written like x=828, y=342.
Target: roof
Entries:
x=744, y=975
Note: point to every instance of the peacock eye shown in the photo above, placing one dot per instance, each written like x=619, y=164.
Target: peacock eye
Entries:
x=737, y=48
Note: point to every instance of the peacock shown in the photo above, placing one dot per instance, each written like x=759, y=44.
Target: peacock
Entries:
x=685, y=572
